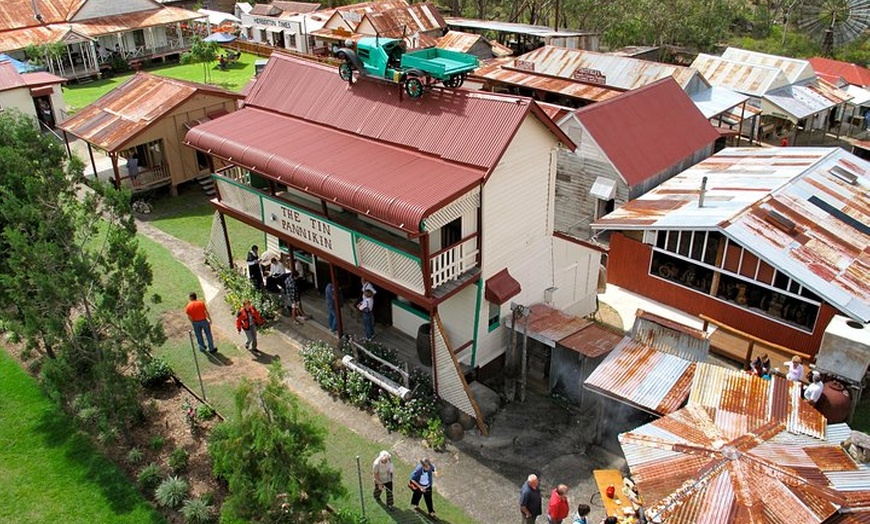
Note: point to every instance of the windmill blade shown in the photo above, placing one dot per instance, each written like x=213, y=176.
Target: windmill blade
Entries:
x=835, y=22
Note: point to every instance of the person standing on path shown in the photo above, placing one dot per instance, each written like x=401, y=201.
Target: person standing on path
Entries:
x=255, y=272
x=333, y=301
x=382, y=471
x=422, y=479
x=247, y=320
x=557, y=509
x=530, y=500
x=200, y=319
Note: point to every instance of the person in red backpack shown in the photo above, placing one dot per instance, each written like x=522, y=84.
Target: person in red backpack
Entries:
x=247, y=320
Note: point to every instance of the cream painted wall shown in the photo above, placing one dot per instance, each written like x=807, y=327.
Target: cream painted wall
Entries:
x=575, y=277
x=18, y=99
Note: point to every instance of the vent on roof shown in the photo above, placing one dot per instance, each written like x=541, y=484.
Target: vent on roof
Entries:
x=845, y=175
x=780, y=221
x=840, y=215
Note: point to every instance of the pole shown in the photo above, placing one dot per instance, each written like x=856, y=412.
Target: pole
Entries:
x=525, y=371
x=362, y=500
x=196, y=362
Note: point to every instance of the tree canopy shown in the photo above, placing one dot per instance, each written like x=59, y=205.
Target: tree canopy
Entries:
x=73, y=280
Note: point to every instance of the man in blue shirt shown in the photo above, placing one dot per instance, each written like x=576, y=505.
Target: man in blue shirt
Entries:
x=530, y=500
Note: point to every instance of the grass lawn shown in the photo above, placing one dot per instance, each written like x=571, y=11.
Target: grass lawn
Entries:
x=172, y=281
x=50, y=472
x=233, y=79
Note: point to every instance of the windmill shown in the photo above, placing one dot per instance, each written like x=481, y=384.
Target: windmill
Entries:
x=834, y=22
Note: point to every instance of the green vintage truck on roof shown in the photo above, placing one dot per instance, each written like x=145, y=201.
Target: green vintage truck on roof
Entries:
x=417, y=71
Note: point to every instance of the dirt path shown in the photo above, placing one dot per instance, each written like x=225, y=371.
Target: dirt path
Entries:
x=480, y=474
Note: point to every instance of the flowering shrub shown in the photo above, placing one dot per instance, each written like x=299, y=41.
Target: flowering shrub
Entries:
x=319, y=359
x=239, y=289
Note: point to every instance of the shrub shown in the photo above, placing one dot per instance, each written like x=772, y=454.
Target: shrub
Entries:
x=150, y=476
x=205, y=412
x=135, y=456
x=357, y=389
x=239, y=289
x=178, y=460
x=348, y=516
x=171, y=492
x=197, y=511
x=157, y=442
x=319, y=359
x=154, y=372
x=434, y=435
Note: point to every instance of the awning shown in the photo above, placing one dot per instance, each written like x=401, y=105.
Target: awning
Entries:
x=603, y=188
x=501, y=287
x=42, y=91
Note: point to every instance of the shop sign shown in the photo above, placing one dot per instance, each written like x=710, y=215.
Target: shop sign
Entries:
x=273, y=22
x=590, y=76
x=524, y=65
x=310, y=229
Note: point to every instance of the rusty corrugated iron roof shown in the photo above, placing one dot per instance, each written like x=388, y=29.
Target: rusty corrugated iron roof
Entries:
x=402, y=21
x=10, y=78
x=557, y=328
x=806, y=99
x=592, y=341
x=643, y=377
x=20, y=37
x=749, y=79
x=497, y=72
x=705, y=465
x=463, y=42
x=128, y=110
x=670, y=337
x=824, y=192
x=16, y=14
x=751, y=400
x=795, y=69
x=666, y=129
x=295, y=7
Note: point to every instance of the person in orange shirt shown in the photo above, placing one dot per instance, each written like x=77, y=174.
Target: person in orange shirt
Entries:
x=201, y=322
x=247, y=320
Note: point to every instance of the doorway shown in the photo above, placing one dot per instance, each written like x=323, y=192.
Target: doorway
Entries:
x=44, y=111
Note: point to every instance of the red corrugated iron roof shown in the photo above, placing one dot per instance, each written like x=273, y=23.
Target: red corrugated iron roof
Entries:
x=10, y=78
x=393, y=185
x=128, y=110
x=19, y=13
x=501, y=287
x=662, y=127
x=703, y=465
x=465, y=127
x=851, y=73
x=41, y=78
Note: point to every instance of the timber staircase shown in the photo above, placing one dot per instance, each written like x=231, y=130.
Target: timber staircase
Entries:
x=207, y=184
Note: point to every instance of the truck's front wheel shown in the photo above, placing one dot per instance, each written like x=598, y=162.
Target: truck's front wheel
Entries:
x=414, y=87
x=345, y=71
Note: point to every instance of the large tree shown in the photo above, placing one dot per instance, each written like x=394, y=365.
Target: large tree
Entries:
x=73, y=280
x=265, y=452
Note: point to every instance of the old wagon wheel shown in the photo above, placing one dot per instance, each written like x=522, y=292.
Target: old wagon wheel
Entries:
x=414, y=86
x=455, y=80
x=345, y=71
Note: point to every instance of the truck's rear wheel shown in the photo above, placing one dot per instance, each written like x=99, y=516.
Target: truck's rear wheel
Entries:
x=414, y=87
x=455, y=81
x=345, y=71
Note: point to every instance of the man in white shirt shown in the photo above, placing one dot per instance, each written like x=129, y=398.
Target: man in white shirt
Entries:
x=276, y=275
x=813, y=392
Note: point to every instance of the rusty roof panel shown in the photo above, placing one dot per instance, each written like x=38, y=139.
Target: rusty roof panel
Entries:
x=10, y=78
x=416, y=18
x=115, y=118
x=850, y=518
x=640, y=376
x=749, y=79
x=19, y=13
x=704, y=474
x=756, y=399
x=463, y=42
x=591, y=341
x=552, y=324
x=670, y=337
x=494, y=72
x=794, y=69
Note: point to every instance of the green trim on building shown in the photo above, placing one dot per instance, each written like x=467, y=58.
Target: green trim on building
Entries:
x=412, y=310
x=479, y=285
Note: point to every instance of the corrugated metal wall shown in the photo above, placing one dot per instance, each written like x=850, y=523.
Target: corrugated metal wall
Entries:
x=628, y=267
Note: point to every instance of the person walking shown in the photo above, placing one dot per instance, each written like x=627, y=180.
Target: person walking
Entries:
x=422, y=479
x=382, y=471
x=366, y=307
x=255, y=272
x=558, y=508
x=200, y=319
x=530, y=500
x=333, y=301
x=247, y=320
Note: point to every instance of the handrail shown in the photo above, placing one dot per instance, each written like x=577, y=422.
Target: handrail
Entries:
x=454, y=245
x=752, y=340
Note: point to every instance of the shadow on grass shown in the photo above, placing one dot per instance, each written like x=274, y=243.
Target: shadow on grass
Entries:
x=56, y=430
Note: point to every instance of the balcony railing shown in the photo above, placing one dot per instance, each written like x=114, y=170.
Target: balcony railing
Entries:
x=147, y=178
x=341, y=240
x=450, y=263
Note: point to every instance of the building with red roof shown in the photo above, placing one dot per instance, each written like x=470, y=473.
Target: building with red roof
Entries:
x=36, y=94
x=443, y=202
x=626, y=146
x=839, y=73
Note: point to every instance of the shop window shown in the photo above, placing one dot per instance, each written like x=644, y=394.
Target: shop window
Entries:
x=682, y=272
x=494, y=317
x=770, y=303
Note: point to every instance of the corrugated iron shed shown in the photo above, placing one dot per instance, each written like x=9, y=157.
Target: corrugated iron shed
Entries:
x=804, y=100
x=705, y=465
x=752, y=401
x=718, y=100
x=417, y=18
x=750, y=79
x=670, y=337
x=499, y=71
x=365, y=147
x=796, y=70
x=128, y=110
x=643, y=377
x=463, y=42
x=852, y=73
x=556, y=328
x=666, y=128
x=824, y=192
